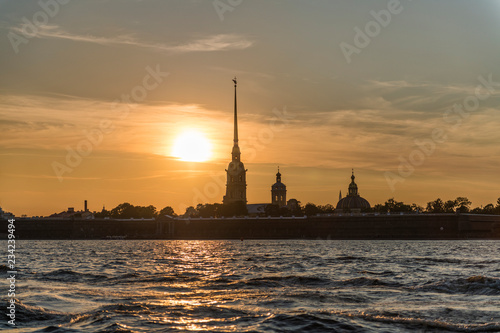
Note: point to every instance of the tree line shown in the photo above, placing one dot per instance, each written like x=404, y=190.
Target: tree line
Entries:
x=460, y=204
x=127, y=211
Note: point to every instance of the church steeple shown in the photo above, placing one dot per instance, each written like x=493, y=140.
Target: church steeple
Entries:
x=236, y=154
x=235, y=114
x=236, y=187
x=278, y=176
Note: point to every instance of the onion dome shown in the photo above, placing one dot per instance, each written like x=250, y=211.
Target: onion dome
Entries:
x=278, y=185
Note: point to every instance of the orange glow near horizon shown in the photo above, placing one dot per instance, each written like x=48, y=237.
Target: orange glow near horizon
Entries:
x=192, y=146
x=138, y=107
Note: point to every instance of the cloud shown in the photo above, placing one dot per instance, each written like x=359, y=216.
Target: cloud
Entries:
x=50, y=122
x=425, y=97
x=40, y=176
x=220, y=42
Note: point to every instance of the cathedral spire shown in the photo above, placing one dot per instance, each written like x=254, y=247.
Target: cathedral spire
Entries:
x=235, y=115
x=236, y=150
x=236, y=173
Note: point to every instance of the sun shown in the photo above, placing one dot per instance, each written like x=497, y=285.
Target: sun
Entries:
x=192, y=146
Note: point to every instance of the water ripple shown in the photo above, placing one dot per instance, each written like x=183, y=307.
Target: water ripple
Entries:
x=257, y=286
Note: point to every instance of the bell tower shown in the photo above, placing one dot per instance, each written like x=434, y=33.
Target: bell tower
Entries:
x=278, y=191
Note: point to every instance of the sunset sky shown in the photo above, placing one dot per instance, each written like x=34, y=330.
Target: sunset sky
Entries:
x=323, y=87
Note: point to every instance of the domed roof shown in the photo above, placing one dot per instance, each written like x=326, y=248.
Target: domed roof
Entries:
x=278, y=186
x=353, y=201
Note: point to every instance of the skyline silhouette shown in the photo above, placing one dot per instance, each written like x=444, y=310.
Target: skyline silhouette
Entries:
x=94, y=111
x=346, y=181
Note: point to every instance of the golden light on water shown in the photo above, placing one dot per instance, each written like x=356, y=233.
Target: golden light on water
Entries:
x=192, y=146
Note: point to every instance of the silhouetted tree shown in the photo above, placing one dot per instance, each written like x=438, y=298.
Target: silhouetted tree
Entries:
x=397, y=206
x=449, y=206
x=272, y=210
x=416, y=208
x=477, y=210
x=436, y=206
x=310, y=209
x=326, y=209
x=209, y=210
x=123, y=211
x=379, y=208
x=392, y=205
x=463, y=204
x=489, y=209
x=167, y=211
x=127, y=211
x=191, y=212
x=147, y=212
x=284, y=211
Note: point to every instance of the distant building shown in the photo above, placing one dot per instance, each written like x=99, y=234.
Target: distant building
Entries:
x=71, y=213
x=278, y=191
x=6, y=215
x=293, y=205
x=257, y=209
x=278, y=198
x=236, y=186
x=353, y=202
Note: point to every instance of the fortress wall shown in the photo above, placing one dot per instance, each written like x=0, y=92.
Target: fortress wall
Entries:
x=323, y=227
x=411, y=226
x=81, y=229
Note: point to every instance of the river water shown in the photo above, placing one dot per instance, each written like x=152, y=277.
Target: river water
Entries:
x=256, y=286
